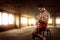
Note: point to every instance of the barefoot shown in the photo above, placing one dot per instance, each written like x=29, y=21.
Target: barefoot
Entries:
x=44, y=39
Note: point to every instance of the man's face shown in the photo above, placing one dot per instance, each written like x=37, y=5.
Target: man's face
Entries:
x=41, y=9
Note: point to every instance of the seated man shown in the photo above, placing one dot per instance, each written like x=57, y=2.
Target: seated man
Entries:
x=42, y=22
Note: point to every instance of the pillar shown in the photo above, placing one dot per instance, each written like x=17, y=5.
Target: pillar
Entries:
x=54, y=21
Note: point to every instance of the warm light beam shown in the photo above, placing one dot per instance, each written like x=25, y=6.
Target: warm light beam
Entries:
x=57, y=20
x=24, y=20
x=4, y=18
x=32, y=21
x=11, y=19
x=50, y=21
x=0, y=18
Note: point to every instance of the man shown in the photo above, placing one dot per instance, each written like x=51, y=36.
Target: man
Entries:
x=42, y=22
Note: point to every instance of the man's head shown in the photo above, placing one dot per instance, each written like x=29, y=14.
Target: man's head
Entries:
x=41, y=7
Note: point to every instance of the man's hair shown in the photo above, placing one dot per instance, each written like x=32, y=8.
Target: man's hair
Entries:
x=41, y=5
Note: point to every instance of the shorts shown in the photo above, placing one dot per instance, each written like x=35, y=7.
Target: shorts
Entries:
x=42, y=26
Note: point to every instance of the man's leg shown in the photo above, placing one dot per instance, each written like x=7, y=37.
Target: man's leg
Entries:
x=36, y=34
x=33, y=36
x=41, y=37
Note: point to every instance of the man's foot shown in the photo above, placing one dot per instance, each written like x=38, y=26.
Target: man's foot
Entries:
x=43, y=38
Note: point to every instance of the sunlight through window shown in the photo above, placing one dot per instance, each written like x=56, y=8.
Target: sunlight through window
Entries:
x=57, y=20
x=32, y=21
x=4, y=18
x=50, y=21
x=0, y=18
x=24, y=20
x=17, y=21
x=11, y=19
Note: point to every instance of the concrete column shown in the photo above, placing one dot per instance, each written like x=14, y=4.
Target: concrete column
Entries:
x=54, y=21
x=19, y=20
x=15, y=20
